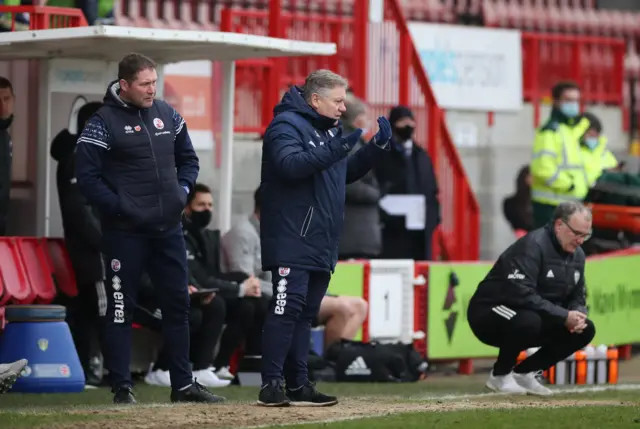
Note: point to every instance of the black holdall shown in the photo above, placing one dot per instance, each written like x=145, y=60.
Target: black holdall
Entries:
x=356, y=361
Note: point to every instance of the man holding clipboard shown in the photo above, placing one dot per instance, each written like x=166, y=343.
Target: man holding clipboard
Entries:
x=409, y=208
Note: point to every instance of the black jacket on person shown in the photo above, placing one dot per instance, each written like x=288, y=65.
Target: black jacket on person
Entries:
x=203, y=259
x=361, y=233
x=414, y=174
x=6, y=161
x=81, y=226
x=535, y=273
x=135, y=165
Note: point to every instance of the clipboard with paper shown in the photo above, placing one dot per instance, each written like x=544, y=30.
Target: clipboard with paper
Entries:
x=412, y=207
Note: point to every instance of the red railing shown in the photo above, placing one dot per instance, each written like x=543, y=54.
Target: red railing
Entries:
x=396, y=76
x=372, y=77
x=45, y=17
x=595, y=63
x=262, y=81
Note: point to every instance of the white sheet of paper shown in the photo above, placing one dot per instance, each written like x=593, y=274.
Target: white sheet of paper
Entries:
x=412, y=207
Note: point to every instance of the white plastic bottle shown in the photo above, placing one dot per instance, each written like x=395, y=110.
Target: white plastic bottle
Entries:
x=601, y=364
x=590, y=353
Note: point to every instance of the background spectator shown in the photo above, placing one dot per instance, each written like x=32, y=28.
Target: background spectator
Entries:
x=82, y=235
x=361, y=235
x=408, y=171
x=7, y=98
x=517, y=208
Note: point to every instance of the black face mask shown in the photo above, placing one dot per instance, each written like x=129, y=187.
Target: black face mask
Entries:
x=201, y=219
x=6, y=123
x=404, y=133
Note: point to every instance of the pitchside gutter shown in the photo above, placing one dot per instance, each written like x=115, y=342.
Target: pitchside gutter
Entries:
x=77, y=63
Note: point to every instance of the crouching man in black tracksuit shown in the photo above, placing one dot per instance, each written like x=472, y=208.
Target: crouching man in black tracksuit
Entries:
x=136, y=164
x=534, y=296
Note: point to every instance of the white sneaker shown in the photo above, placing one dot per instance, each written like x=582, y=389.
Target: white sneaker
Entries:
x=158, y=378
x=505, y=384
x=531, y=384
x=225, y=374
x=208, y=378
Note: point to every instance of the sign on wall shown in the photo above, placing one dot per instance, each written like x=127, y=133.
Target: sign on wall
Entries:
x=471, y=68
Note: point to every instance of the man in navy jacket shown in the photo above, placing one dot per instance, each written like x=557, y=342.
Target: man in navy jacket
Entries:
x=136, y=165
x=305, y=169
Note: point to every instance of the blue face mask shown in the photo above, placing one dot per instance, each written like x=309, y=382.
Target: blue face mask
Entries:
x=571, y=109
x=591, y=142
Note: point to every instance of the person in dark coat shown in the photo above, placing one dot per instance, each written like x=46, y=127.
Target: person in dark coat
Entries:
x=361, y=234
x=409, y=171
x=7, y=98
x=305, y=169
x=517, y=208
x=82, y=237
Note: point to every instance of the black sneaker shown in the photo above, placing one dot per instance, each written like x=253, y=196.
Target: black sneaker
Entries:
x=308, y=396
x=272, y=395
x=195, y=393
x=124, y=395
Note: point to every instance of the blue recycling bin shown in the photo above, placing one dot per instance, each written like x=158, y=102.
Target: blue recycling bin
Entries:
x=40, y=334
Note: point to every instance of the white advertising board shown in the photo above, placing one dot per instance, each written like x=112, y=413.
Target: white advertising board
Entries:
x=471, y=68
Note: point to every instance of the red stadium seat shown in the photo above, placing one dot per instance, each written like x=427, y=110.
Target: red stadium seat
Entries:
x=541, y=16
x=16, y=283
x=37, y=268
x=60, y=263
x=515, y=14
x=4, y=297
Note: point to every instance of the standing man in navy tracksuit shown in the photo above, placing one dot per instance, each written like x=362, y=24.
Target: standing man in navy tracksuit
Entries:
x=305, y=170
x=136, y=164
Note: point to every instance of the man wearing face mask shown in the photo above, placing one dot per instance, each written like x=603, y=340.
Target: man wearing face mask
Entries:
x=593, y=145
x=7, y=99
x=409, y=171
x=305, y=169
x=240, y=292
x=557, y=167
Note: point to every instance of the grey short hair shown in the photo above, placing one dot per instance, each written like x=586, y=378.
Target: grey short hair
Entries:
x=565, y=210
x=321, y=81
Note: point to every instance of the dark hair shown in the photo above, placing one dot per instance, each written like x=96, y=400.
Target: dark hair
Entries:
x=594, y=121
x=200, y=188
x=6, y=83
x=560, y=87
x=257, y=199
x=132, y=64
x=565, y=210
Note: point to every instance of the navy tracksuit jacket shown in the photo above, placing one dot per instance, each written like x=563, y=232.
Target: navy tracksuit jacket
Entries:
x=136, y=167
x=305, y=170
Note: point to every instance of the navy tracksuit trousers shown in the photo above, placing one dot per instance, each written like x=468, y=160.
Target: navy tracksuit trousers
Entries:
x=164, y=257
x=297, y=295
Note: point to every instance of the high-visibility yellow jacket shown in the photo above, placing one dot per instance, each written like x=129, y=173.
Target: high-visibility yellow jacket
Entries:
x=597, y=160
x=557, y=167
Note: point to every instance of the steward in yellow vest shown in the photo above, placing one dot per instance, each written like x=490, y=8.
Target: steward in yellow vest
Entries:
x=557, y=167
x=595, y=154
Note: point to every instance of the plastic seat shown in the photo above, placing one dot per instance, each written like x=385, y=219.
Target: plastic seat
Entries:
x=37, y=269
x=515, y=16
x=59, y=261
x=490, y=14
x=16, y=283
x=540, y=13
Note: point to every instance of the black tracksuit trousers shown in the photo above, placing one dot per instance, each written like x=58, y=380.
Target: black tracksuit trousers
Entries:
x=515, y=330
x=164, y=257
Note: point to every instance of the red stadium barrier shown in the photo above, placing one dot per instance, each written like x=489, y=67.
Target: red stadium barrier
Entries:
x=595, y=63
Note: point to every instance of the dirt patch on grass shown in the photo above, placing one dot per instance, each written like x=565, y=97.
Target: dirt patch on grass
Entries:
x=249, y=415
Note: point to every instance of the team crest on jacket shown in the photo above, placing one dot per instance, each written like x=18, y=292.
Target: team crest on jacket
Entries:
x=283, y=272
x=115, y=265
x=157, y=122
x=576, y=276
